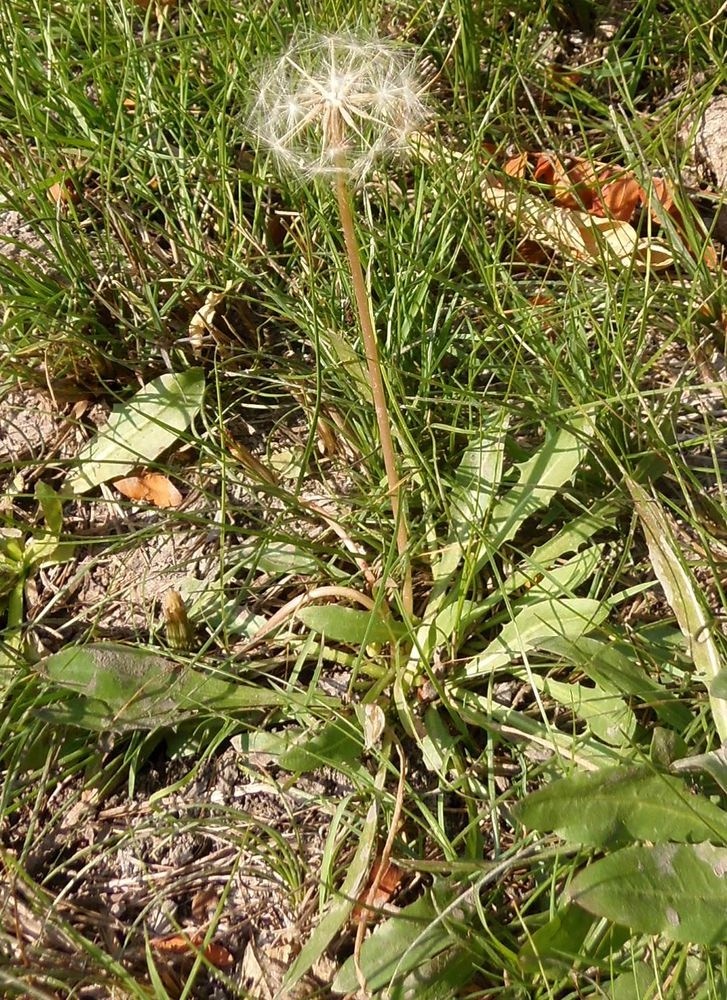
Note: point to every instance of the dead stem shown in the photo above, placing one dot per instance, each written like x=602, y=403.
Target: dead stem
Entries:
x=343, y=196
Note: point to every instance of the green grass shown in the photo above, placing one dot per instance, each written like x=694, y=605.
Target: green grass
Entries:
x=529, y=400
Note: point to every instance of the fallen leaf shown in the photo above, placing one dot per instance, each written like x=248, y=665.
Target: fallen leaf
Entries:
x=517, y=166
x=181, y=944
x=388, y=882
x=203, y=321
x=204, y=903
x=150, y=487
x=583, y=236
x=619, y=199
x=664, y=196
x=63, y=192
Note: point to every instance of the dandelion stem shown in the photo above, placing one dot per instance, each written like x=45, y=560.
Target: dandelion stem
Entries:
x=343, y=196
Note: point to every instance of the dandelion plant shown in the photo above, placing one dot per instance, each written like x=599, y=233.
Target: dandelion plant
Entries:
x=329, y=107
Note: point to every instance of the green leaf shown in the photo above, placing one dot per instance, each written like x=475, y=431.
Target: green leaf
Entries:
x=338, y=742
x=616, y=667
x=126, y=688
x=682, y=593
x=608, y=716
x=557, y=947
x=713, y=763
x=638, y=983
x=349, y=625
x=564, y=579
x=617, y=805
x=406, y=942
x=51, y=505
x=276, y=558
x=678, y=890
x=439, y=744
x=476, y=479
x=441, y=977
x=569, y=618
x=138, y=431
x=540, y=478
x=44, y=547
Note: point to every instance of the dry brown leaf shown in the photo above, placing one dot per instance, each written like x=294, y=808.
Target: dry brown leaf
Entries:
x=181, y=944
x=388, y=882
x=150, y=487
x=203, y=320
x=517, y=166
x=531, y=252
x=546, y=169
x=63, y=193
x=582, y=236
x=664, y=196
x=619, y=199
x=204, y=904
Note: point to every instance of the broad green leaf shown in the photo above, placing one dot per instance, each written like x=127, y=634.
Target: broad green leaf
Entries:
x=84, y=713
x=682, y=593
x=618, y=805
x=441, y=977
x=336, y=743
x=439, y=744
x=406, y=942
x=616, y=668
x=52, y=506
x=207, y=601
x=457, y=615
x=142, y=690
x=349, y=625
x=557, y=947
x=639, y=983
x=486, y=712
x=713, y=763
x=562, y=580
x=138, y=431
x=476, y=479
x=454, y=619
x=608, y=716
x=276, y=558
x=678, y=890
x=540, y=478
x=718, y=687
x=569, y=618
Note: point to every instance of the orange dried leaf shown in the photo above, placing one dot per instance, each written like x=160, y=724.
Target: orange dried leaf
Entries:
x=172, y=944
x=150, y=487
x=389, y=882
x=620, y=198
x=180, y=944
x=546, y=169
x=664, y=196
x=63, y=192
x=517, y=166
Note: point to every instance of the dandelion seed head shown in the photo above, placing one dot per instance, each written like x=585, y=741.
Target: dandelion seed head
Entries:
x=335, y=103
